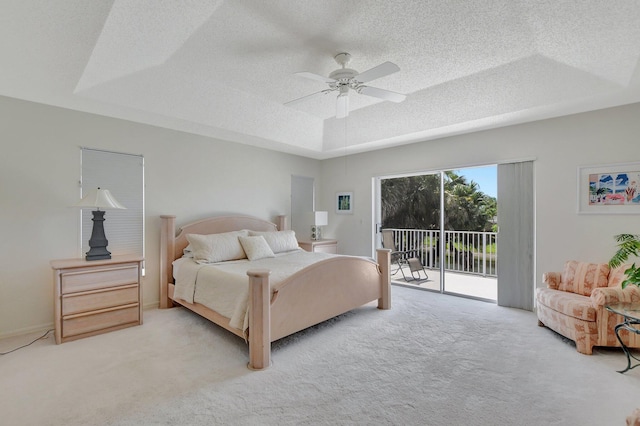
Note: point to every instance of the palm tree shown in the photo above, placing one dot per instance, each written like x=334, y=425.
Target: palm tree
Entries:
x=414, y=202
x=466, y=207
x=411, y=202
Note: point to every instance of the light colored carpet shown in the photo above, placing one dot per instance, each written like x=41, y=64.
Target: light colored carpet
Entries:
x=431, y=360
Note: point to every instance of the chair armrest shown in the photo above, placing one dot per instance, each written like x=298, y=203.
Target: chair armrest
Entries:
x=404, y=254
x=552, y=279
x=634, y=418
x=602, y=296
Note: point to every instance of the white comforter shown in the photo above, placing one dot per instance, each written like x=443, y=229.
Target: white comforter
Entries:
x=224, y=286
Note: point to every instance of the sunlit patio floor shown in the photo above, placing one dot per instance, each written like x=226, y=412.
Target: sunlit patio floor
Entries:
x=457, y=283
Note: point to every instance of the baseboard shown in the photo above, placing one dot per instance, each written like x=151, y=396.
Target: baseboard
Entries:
x=44, y=327
x=27, y=330
x=151, y=305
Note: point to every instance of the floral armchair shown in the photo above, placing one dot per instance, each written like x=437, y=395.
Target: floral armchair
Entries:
x=573, y=304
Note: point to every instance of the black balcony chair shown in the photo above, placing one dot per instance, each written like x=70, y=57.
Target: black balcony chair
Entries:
x=404, y=257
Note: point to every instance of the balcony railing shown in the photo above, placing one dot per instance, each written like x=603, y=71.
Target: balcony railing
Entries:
x=465, y=251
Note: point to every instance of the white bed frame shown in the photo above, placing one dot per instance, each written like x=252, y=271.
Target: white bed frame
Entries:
x=315, y=294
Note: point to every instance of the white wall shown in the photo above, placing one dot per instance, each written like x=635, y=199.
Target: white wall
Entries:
x=186, y=175
x=559, y=147
x=192, y=176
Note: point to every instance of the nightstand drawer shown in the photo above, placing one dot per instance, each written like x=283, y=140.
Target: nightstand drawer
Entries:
x=95, y=278
x=99, y=299
x=330, y=248
x=319, y=246
x=85, y=323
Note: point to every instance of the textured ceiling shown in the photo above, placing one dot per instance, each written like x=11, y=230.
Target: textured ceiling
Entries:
x=226, y=68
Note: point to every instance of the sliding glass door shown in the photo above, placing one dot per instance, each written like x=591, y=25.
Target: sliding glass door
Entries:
x=410, y=221
x=440, y=226
x=469, y=232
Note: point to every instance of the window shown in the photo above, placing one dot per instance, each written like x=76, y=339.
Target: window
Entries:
x=123, y=175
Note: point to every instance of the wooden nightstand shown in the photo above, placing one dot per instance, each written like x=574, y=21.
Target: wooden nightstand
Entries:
x=93, y=297
x=323, y=246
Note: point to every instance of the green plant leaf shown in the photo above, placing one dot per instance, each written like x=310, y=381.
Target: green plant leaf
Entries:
x=628, y=245
x=633, y=276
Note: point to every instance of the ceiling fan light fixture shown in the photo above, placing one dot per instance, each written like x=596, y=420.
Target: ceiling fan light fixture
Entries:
x=343, y=79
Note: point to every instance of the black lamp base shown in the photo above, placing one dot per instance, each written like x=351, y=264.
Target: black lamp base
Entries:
x=98, y=241
x=98, y=254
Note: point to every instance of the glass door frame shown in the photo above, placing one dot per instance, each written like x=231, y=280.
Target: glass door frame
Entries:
x=377, y=217
x=377, y=221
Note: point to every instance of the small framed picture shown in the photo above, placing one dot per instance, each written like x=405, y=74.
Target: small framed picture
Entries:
x=609, y=189
x=344, y=202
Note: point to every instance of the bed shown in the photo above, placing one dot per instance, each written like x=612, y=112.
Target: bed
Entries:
x=316, y=293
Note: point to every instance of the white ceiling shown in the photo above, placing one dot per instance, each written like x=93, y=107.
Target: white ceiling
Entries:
x=225, y=68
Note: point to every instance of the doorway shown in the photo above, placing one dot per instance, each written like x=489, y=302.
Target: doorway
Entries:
x=448, y=221
x=302, y=204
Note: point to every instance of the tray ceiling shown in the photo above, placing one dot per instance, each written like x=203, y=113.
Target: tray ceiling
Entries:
x=224, y=69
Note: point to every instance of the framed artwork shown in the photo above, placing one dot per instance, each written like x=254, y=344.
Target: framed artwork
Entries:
x=609, y=189
x=344, y=202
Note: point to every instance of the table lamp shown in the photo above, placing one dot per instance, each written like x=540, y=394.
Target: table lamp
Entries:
x=320, y=219
x=99, y=199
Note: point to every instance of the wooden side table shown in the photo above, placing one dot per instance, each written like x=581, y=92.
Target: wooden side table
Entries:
x=322, y=246
x=93, y=297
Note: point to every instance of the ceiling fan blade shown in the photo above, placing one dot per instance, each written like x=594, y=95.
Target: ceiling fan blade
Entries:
x=316, y=77
x=342, y=106
x=387, y=95
x=304, y=98
x=381, y=70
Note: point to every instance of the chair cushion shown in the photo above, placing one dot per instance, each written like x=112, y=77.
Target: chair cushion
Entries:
x=617, y=275
x=571, y=304
x=582, y=278
x=634, y=418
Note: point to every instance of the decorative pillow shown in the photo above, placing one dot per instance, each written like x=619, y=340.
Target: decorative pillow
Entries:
x=582, y=278
x=279, y=241
x=217, y=247
x=256, y=247
x=617, y=275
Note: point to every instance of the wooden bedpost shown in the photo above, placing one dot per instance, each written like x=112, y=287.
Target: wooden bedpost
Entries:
x=167, y=252
x=259, y=319
x=384, y=260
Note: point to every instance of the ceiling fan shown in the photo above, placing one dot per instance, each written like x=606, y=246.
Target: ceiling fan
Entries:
x=343, y=79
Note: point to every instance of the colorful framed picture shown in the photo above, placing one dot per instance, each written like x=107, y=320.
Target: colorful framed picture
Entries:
x=344, y=202
x=612, y=189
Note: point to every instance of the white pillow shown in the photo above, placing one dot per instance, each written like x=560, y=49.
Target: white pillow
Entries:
x=279, y=241
x=217, y=247
x=256, y=247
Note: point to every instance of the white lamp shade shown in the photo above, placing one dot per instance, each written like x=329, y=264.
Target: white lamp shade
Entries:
x=320, y=218
x=100, y=199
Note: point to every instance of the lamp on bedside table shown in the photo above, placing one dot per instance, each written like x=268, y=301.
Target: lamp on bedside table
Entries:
x=319, y=219
x=99, y=199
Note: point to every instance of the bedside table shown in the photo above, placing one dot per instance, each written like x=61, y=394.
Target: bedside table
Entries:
x=322, y=246
x=98, y=296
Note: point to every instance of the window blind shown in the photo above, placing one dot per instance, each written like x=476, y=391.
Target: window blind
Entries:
x=123, y=175
x=516, y=277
